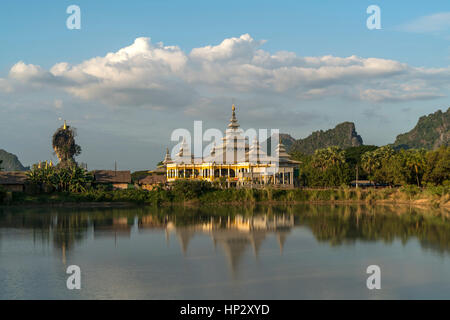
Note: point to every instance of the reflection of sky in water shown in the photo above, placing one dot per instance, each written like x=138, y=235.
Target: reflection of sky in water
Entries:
x=291, y=252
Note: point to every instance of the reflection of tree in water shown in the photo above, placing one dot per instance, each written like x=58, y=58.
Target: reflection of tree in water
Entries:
x=69, y=229
x=336, y=224
x=64, y=227
x=344, y=224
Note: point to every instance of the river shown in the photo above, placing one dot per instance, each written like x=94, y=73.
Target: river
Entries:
x=225, y=252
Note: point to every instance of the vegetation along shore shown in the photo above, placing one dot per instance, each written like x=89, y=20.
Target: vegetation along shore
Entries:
x=199, y=192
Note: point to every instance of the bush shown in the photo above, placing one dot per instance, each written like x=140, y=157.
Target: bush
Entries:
x=2, y=194
x=191, y=189
x=438, y=190
x=410, y=190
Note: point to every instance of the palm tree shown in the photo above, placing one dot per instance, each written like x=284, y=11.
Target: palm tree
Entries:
x=374, y=160
x=416, y=160
x=369, y=163
x=328, y=157
x=72, y=179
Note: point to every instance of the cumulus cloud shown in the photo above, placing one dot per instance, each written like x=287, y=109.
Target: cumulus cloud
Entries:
x=235, y=49
x=159, y=76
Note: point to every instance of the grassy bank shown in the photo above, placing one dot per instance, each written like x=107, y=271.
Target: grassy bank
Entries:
x=189, y=192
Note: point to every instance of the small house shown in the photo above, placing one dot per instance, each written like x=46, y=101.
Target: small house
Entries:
x=151, y=181
x=13, y=180
x=114, y=178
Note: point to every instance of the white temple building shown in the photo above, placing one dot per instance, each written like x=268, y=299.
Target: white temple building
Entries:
x=234, y=162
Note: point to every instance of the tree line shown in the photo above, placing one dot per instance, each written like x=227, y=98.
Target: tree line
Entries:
x=333, y=166
x=50, y=178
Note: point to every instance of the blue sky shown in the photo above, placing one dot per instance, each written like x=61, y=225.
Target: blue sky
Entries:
x=414, y=35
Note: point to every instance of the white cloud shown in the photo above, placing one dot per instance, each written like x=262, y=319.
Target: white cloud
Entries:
x=241, y=49
x=24, y=71
x=433, y=23
x=5, y=86
x=159, y=76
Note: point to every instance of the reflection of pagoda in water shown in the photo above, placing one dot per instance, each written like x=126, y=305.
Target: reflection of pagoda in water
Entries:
x=336, y=225
x=237, y=234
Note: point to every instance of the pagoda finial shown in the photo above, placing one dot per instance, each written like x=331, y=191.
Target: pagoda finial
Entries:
x=65, y=125
x=167, y=158
x=233, y=121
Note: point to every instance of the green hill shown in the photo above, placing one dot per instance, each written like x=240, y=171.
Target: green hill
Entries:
x=10, y=162
x=343, y=135
x=430, y=132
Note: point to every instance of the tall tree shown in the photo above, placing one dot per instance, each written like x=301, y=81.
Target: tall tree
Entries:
x=64, y=145
x=374, y=163
x=328, y=157
x=416, y=162
x=437, y=170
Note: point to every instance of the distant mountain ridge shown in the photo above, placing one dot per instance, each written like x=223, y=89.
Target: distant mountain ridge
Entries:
x=430, y=132
x=344, y=135
x=10, y=162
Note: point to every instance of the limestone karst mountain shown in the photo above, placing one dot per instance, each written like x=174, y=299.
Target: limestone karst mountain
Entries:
x=430, y=132
x=10, y=162
x=344, y=135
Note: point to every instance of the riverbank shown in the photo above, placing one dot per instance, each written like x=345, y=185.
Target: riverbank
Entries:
x=192, y=194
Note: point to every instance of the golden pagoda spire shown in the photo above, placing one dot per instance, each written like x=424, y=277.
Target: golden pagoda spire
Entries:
x=233, y=121
x=65, y=125
x=167, y=158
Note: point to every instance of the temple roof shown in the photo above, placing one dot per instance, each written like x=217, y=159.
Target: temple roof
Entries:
x=233, y=121
x=235, y=146
x=13, y=177
x=111, y=176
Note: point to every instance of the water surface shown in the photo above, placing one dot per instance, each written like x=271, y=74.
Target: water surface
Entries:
x=254, y=252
